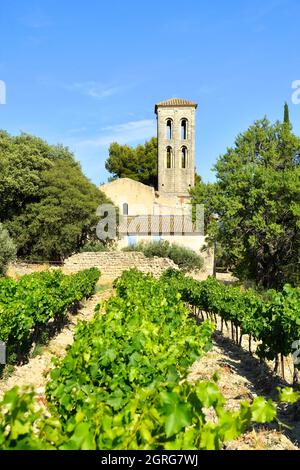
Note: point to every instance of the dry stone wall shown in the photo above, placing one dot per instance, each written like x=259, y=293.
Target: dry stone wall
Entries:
x=113, y=263
x=19, y=269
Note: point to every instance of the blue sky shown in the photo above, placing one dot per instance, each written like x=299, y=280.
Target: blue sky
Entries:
x=85, y=74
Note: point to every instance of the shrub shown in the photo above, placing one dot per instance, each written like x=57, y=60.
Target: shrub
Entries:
x=185, y=258
x=93, y=246
x=158, y=248
x=7, y=249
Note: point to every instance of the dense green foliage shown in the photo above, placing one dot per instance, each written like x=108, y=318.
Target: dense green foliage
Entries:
x=185, y=258
x=123, y=383
x=46, y=203
x=129, y=362
x=7, y=249
x=27, y=305
x=138, y=163
x=286, y=117
x=94, y=246
x=272, y=320
x=257, y=199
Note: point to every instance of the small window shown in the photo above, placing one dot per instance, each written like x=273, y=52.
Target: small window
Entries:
x=183, y=157
x=131, y=240
x=169, y=129
x=183, y=129
x=169, y=157
x=125, y=208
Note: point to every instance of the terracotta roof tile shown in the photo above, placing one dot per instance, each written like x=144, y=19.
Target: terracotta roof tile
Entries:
x=175, y=102
x=155, y=224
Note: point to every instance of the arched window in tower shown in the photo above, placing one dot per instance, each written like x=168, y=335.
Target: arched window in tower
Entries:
x=184, y=157
x=169, y=157
x=184, y=125
x=169, y=129
x=125, y=208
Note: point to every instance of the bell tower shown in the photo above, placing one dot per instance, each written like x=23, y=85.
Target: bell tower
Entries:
x=176, y=146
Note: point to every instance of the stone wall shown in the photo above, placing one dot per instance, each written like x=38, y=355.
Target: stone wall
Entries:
x=19, y=268
x=113, y=263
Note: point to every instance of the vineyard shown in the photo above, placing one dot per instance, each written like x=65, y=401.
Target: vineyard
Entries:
x=272, y=320
x=123, y=383
x=29, y=305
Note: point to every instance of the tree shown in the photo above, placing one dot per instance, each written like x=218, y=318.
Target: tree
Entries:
x=257, y=199
x=22, y=161
x=7, y=249
x=198, y=179
x=139, y=164
x=46, y=202
x=286, y=118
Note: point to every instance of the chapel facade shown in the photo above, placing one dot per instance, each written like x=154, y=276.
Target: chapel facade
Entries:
x=163, y=213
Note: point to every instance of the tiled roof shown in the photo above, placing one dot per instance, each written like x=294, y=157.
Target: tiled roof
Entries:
x=155, y=225
x=175, y=102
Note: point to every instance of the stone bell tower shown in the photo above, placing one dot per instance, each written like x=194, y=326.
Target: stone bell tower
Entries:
x=176, y=146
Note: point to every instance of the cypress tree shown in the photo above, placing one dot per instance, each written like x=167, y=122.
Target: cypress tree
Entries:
x=286, y=118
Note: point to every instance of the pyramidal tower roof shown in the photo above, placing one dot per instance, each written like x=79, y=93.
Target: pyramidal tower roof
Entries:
x=175, y=102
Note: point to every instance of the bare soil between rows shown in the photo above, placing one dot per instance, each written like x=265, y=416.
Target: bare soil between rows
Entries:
x=241, y=377
x=36, y=371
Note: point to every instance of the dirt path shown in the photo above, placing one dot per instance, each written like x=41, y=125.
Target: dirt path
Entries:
x=36, y=371
x=242, y=377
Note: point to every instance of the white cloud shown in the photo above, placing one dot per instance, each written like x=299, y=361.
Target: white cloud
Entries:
x=130, y=126
x=93, y=152
x=95, y=89
x=126, y=133
x=266, y=9
x=35, y=18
